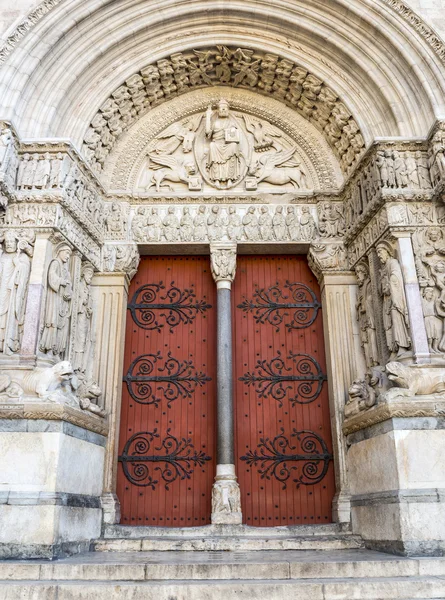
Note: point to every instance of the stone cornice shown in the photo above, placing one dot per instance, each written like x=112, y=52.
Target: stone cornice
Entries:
x=420, y=406
x=54, y=412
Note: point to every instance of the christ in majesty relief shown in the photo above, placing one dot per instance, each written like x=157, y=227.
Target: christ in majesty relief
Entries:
x=224, y=156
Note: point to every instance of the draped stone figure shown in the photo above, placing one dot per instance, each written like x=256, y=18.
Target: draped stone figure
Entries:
x=15, y=268
x=58, y=304
x=395, y=312
x=224, y=155
x=234, y=226
x=365, y=316
x=186, y=225
x=83, y=342
x=200, y=225
x=265, y=223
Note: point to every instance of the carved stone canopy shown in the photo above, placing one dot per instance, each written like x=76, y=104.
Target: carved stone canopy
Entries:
x=258, y=144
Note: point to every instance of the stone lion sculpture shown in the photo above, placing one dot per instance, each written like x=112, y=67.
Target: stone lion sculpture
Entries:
x=415, y=381
x=361, y=397
x=57, y=383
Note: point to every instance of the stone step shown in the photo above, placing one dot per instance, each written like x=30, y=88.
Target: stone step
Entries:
x=394, y=588
x=138, y=532
x=228, y=538
x=226, y=544
x=260, y=565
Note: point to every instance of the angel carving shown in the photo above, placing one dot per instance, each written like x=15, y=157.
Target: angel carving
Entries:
x=178, y=134
x=223, y=70
x=247, y=71
x=279, y=168
x=264, y=134
x=169, y=168
x=199, y=71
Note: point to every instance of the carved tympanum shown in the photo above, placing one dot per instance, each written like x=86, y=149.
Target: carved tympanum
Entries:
x=222, y=149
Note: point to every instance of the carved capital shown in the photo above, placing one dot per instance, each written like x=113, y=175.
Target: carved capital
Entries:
x=327, y=258
x=223, y=264
x=121, y=258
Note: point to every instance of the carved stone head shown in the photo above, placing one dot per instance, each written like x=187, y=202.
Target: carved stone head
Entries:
x=223, y=108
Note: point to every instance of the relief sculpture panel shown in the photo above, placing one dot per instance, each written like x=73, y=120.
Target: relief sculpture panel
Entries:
x=222, y=149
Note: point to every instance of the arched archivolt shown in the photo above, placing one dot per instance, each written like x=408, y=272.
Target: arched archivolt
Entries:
x=241, y=68
x=390, y=77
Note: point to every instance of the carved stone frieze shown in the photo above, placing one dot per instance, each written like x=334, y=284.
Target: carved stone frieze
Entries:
x=429, y=250
x=390, y=172
x=265, y=73
x=236, y=223
x=368, y=236
x=30, y=215
x=9, y=161
x=79, y=238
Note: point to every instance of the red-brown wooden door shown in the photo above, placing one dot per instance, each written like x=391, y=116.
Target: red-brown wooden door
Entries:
x=167, y=432
x=283, y=436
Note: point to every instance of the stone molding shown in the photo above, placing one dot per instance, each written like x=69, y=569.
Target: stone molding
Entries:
x=54, y=412
x=32, y=498
x=410, y=496
x=420, y=406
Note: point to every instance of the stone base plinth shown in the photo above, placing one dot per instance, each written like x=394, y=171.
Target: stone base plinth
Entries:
x=226, y=498
x=52, y=473
x=397, y=476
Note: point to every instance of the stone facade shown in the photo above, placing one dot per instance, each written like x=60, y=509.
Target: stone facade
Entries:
x=251, y=142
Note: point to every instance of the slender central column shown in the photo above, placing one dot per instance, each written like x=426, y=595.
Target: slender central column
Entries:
x=226, y=503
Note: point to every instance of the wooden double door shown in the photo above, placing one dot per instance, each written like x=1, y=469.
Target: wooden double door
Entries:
x=168, y=419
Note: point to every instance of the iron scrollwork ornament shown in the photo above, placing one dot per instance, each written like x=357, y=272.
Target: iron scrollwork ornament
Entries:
x=177, y=456
x=274, y=379
x=272, y=306
x=175, y=306
x=149, y=383
x=274, y=458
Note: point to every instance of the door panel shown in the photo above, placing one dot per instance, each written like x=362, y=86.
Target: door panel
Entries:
x=167, y=431
x=283, y=436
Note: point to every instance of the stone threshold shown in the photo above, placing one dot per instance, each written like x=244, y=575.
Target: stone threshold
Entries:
x=141, y=532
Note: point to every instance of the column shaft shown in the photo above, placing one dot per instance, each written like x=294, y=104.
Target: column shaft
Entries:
x=414, y=301
x=225, y=435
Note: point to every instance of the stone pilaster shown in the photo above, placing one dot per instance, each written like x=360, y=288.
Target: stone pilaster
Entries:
x=345, y=362
x=110, y=292
x=226, y=503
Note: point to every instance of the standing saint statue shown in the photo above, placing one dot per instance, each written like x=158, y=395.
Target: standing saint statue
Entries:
x=365, y=315
x=58, y=304
x=224, y=154
x=15, y=268
x=395, y=312
x=83, y=343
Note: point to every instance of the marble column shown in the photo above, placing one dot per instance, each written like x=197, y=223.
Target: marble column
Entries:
x=226, y=502
x=419, y=339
